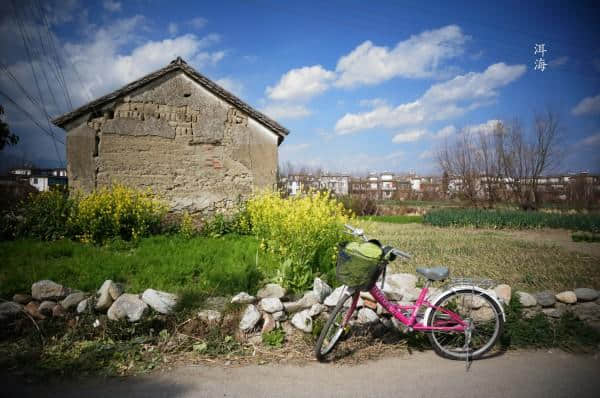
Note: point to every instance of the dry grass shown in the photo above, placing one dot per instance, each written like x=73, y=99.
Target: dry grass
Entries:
x=523, y=264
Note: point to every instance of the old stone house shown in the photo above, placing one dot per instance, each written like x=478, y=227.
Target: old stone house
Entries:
x=178, y=133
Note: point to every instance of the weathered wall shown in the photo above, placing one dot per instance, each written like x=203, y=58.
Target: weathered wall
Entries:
x=177, y=138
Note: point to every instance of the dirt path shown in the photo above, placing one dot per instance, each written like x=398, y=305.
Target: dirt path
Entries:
x=559, y=237
x=515, y=374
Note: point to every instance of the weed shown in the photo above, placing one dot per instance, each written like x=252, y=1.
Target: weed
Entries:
x=274, y=338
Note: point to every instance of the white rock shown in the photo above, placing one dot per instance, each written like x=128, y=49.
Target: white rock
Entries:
x=210, y=316
x=316, y=309
x=321, y=289
x=526, y=299
x=48, y=290
x=359, y=304
x=46, y=307
x=335, y=296
x=410, y=294
x=504, y=293
x=392, y=292
x=108, y=292
x=367, y=315
x=82, y=306
x=279, y=316
x=243, y=298
x=268, y=323
x=72, y=300
x=162, y=302
x=271, y=290
x=567, y=297
x=127, y=306
x=270, y=304
x=250, y=318
x=301, y=320
x=402, y=281
x=367, y=296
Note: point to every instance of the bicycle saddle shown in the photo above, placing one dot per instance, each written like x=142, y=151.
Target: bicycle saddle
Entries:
x=434, y=273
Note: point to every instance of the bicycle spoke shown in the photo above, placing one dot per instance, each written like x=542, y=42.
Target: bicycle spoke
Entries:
x=480, y=316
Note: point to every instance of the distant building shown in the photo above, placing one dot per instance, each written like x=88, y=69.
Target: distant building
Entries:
x=41, y=179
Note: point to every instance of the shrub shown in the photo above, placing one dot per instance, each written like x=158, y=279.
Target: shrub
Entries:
x=44, y=216
x=359, y=205
x=219, y=224
x=117, y=211
x=512, y=219
x=186, y=226
x=302, y=232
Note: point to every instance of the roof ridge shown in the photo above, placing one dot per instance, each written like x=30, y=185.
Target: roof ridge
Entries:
x=176, y=64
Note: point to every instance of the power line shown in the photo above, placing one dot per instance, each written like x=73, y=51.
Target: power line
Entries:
x=29, y=51
x=19, y=107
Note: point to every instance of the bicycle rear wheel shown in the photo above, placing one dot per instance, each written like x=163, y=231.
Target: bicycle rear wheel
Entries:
x=479, y=310
x=334, y=328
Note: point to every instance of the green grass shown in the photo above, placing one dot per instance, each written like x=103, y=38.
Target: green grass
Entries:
x=512, y=219
x=497, y=255
x=394, y=219
x=193, y=267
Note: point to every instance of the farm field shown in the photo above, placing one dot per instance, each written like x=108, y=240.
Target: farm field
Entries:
x=528, y=260
x=524, y=262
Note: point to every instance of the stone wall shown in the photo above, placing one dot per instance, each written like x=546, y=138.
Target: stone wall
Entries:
x=178, y=139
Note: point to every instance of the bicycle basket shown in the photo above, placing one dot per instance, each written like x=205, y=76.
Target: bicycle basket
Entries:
x=358, y=263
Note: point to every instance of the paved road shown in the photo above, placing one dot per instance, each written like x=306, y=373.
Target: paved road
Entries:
x=515, y=374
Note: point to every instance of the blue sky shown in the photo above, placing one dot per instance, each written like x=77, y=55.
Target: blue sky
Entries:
x=360, y=85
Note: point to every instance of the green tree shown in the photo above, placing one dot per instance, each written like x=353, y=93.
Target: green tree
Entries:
x=6, y=137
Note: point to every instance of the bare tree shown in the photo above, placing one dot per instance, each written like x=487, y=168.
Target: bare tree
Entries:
x=457, y=159
x=526, y=157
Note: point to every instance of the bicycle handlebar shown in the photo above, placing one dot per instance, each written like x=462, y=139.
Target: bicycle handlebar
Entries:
x=361, y=234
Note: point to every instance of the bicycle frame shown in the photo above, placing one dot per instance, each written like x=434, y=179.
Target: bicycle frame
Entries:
x=411, y=321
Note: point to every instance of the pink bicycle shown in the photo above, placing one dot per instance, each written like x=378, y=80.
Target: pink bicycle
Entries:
x=463, y=322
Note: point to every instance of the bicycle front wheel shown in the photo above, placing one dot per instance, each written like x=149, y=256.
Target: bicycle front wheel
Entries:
x=482, y=315
x=334, y=328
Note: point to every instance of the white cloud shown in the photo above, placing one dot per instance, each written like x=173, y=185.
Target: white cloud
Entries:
x=587, y=106
x=198, y=22
x=293, y=148
x=383, y=116
x=441, y=101
x=409, y=136
x=417, y=57
x=230, y=84
x=591, y=141
x=373, y=103
x=286, y=111
x=111, y=5
x=427, y=154
x=104, y=64
x=559, y=61
x=301, y=84
x=485, y=128
x=473, y=85
x=172, y=28
x=394, y=155
x=445, y=132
